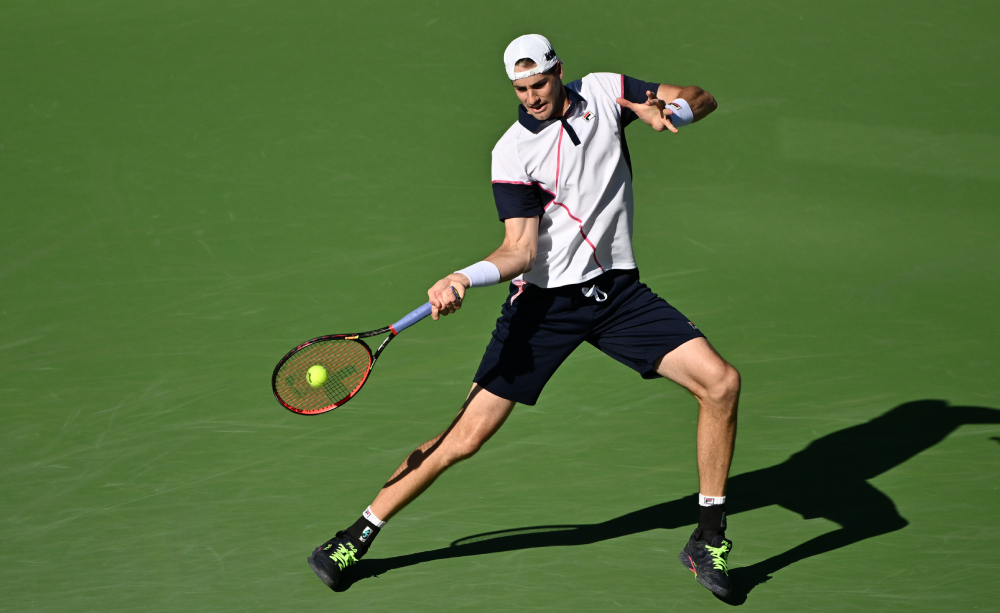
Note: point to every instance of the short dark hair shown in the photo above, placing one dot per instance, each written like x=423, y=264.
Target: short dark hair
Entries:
x=527, y=63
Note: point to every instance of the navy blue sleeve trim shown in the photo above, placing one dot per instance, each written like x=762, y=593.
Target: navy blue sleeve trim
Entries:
x=635, y=91
x=520, y=200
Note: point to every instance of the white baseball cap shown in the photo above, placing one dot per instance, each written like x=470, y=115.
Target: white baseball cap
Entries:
x=534, y=47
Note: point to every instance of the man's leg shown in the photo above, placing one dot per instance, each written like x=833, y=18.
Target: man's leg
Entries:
x=716, y=384
x=696, y=366
x=481, y=416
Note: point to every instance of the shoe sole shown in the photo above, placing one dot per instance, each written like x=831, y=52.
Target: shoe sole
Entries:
x=320, y=571
x=689, y=564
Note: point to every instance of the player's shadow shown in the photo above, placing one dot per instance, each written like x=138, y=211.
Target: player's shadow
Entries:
x=829, y=479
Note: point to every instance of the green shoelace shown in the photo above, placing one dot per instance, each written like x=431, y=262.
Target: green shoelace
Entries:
x=719, y=555
x=343, y=556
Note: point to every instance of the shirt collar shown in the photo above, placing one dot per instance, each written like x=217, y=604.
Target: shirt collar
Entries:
x=535, y=126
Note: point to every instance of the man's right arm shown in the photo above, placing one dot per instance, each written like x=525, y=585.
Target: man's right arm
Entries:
x=515, y=256
x=520, y=246
x=520, y=206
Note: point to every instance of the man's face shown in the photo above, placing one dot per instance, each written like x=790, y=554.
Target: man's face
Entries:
x=541, y=94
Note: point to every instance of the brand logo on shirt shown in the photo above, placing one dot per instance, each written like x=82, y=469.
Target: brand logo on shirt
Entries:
x=588, y=116
x=692, y=325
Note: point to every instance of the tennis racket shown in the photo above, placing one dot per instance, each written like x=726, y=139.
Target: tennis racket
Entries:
x=348, y=361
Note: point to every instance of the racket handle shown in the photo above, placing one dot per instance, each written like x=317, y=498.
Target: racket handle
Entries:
x=411, y=318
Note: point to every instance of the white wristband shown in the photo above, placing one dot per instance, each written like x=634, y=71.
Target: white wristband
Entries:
x=683, y=116
x=482, y=274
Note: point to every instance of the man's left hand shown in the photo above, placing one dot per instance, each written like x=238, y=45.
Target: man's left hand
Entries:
x=654, y=112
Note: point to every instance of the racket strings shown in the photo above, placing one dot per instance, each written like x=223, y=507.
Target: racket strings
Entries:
x=346, y=362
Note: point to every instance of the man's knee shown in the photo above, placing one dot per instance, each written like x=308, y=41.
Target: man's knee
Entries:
x=464, y=448
x=721, y=386
x=480, y=418
x=729, y=384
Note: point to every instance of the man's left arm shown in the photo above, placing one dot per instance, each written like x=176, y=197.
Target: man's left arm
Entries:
x=701, y=102
x=671, y=104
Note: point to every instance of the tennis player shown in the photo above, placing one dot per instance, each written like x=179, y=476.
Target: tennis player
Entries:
x=562, y=182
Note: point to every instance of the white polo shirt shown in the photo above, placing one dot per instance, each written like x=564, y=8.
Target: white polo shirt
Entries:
x=574, y=172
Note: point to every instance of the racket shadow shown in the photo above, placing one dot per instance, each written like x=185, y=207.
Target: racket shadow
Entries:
x=827, y=479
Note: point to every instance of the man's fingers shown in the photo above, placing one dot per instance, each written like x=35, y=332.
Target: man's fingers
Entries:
x=438, y=306
x=662, y=123
x=435, y=305
x=449, y=296
x=625, y=103
x=652, y=100
x=659, y=123
x=454, y=298
x=446, y=301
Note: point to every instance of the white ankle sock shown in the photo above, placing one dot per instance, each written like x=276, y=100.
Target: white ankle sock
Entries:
x=710, y=501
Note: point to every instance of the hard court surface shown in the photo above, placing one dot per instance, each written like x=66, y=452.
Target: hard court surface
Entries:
x=189, y=189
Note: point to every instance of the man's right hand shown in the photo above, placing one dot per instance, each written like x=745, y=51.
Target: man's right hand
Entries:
x=442, y=297
x=515, y=256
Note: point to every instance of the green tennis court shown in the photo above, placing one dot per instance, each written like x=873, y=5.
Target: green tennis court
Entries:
x=189, y=189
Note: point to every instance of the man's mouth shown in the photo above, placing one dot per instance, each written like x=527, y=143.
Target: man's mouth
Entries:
x=537, y=109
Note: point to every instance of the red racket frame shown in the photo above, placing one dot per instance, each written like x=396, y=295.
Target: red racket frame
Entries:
x=332, y=337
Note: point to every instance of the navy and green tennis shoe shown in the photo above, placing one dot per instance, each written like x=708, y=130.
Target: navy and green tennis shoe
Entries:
x=333, y=557
x=708, y=561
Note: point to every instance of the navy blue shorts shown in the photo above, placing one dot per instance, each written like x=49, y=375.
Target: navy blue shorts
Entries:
x=539, y=327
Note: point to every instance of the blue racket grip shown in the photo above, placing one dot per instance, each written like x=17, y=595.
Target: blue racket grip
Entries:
x=411, y=318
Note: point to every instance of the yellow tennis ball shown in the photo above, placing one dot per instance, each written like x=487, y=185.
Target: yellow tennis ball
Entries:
x=316, y=375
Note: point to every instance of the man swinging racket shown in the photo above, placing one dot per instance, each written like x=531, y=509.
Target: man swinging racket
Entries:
x=562, y=182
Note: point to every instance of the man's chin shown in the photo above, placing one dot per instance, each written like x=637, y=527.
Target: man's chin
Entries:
x=544, y=115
